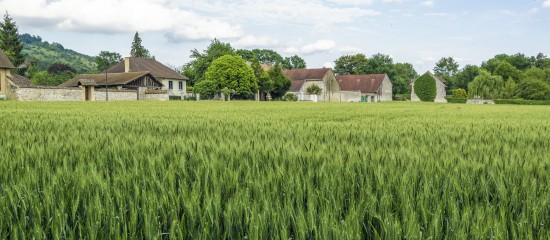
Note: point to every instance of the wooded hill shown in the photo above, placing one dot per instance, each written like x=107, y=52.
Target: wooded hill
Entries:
x=43, y=54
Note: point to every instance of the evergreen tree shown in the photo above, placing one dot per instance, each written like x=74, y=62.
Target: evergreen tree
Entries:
x=137, y=49
x=10, y=43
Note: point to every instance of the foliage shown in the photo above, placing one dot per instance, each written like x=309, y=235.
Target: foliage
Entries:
x=44, y=78
x=107, y=59
x=446, y=66
x=200, y=62
x=137, y=49
x=281, y=83
x=314, y=90
x=522, y=102
x=294, y=62
x=509, y=90
x=519, y=61
x=465, y=76
x=533, y=89
x=290, y=97
x=506, y=71
x=41, y=54
x=265, y=83
x=351, y=64
x=403, y=73
x=380, y=64
x=10, y=43
x=402, y=97
x=232, y=72
x=210, y=170
x=207, y=89
x=264, y=56
x=456, y=100
x=425, y=88
x=174, y=98
x=57, y=68
x=460, y=93
x=486, y=86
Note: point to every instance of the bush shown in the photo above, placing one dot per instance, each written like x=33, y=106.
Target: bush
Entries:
x=290, y=97
x=313, y=90
x=191, y=98
x=522, y=102
x=533, y=89
x=460, y=93
x=402, y=97
x=425, y=88
x=174, y=98
x=456, y=100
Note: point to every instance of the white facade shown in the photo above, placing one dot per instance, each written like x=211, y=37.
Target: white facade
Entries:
x=175, y=87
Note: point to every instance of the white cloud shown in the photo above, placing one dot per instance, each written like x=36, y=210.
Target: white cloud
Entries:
x=121, y=16
x=328, y=65
x=253, y=41
x=316, y=47
x=428, y=3
x=349, y=50
x=546, y=3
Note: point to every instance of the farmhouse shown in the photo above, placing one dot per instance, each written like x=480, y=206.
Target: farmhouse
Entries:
x=373, y=87
x=323, y=78
x=441, y=86
x=171, y=81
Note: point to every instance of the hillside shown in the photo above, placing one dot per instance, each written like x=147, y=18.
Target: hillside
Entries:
x=45, y=54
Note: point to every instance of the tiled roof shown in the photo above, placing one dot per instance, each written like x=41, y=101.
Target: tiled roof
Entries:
x=370, y=83
x=113, y=79
x=296, y=85
x=20, y=81
x=157, y=69
x=5, y=61
x=306, y=74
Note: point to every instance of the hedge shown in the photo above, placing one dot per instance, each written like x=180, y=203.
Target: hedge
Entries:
x=456, y=100
x=522, y=102
x=425, y=88
x=402, y=97
x=174, y=97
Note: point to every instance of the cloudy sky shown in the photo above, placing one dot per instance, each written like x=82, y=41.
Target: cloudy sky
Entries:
x=415, y=31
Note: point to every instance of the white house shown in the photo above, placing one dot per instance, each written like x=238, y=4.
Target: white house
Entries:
x=373, y=87
x=172, y=81
x=324, y=78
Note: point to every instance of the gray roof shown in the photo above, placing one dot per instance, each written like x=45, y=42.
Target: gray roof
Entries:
x=113, y=79
x=5, y=61
x=157, y=69
x=20, y=81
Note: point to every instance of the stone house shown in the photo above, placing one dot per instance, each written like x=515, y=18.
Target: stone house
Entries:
x=441, y=86
x=172, y=81
x=373, y=87
x=324, y=78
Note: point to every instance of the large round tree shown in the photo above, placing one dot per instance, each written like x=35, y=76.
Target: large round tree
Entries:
x=231, y=72
x=425, y=88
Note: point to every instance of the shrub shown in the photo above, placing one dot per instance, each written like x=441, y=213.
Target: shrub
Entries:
x=460, y=93
x=533, y=89
x=402, y=97
x=290, y=97
x=456, y=100
x=522, y=102
x=425, y=88
x=313, y=90
x=172, y=98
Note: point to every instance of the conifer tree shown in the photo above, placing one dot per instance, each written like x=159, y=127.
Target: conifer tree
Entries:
x=10, y=43
x=137, y=49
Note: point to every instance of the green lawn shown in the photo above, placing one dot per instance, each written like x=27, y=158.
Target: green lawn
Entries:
x=211, y=170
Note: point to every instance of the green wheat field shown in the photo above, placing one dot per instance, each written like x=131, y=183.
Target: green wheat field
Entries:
x=273, y=170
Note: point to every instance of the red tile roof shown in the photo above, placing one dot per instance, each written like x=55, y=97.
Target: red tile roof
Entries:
x=370, y=83
x=306, y=74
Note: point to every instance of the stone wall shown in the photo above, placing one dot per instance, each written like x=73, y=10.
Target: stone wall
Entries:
x=156, y=97
x=115, y=95
x=346, y=96
x=46, y=94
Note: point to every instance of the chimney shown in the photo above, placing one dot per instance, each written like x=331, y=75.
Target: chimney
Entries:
x=127, y=64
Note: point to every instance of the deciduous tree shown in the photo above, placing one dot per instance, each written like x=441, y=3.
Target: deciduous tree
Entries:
x=232, y=72
x=294, y=62
x=106, y=59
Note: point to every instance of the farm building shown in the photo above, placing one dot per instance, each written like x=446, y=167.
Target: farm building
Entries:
x=373, y=87
x=323, y=78
x=172, y=81
x=441, y=86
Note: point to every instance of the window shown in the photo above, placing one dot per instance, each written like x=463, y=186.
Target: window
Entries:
x=181, y=85
x=170, y=85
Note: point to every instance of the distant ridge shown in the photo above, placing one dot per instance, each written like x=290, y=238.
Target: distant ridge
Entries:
x=44, y=54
